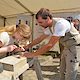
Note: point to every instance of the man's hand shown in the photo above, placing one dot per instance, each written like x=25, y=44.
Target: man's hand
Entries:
x=28, y=54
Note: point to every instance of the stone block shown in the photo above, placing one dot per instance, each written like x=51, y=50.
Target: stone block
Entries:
x=13, y=63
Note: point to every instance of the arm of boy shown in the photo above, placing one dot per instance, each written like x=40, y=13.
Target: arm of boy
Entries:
x=9, y=48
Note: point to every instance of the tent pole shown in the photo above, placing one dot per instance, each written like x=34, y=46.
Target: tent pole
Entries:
x=32, y=26
x=4, y=22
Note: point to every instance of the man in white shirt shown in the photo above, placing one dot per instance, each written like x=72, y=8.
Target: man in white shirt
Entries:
x=58, y=29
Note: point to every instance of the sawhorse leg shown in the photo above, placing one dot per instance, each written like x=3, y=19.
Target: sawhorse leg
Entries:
x=37, y=69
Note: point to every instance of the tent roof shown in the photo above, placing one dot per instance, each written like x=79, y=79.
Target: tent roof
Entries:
x=14, y=7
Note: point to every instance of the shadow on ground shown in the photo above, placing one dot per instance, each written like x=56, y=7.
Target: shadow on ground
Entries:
x=50, y=72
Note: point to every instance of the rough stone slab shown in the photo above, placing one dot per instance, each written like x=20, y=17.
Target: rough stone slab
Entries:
x=10, y=75
x=12, y=63
x=6, y=75
x=13, y=67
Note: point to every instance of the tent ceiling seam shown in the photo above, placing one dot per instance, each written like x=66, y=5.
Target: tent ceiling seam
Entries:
x=24, y=7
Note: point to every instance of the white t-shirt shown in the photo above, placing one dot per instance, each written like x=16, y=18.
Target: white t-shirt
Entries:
x=4, y=38
x=61, y=27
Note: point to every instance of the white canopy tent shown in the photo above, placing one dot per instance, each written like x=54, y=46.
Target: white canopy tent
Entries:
x=10, y=8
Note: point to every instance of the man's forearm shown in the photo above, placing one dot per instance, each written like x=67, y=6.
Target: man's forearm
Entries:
x=36, y=41
x=31, y=44
x=40, y=51
x=47, y=47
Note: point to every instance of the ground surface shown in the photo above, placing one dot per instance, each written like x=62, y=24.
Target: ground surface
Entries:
x=49, y=67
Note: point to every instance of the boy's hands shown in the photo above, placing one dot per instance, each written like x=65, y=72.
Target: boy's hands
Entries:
x=19, y=49
x=10, y=48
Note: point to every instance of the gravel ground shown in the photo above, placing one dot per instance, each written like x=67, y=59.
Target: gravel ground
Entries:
x=49, y=67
